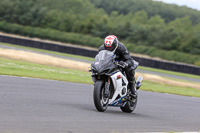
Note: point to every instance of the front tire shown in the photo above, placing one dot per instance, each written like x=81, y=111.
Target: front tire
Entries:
x=100, y=102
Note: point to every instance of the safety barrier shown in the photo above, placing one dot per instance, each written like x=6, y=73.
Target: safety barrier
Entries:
x=178, y=67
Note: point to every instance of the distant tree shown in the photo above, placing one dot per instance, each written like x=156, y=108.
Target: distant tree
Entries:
x=181, y=24
x=140, y=17
x=22, y=12
x=156, y=21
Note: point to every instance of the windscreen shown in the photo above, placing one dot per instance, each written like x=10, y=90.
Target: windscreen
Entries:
x=103, y=55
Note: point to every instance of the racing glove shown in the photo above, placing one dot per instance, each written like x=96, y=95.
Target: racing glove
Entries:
x=123, y=64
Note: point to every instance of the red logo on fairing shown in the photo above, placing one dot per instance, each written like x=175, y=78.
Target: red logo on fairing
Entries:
x=119, y=76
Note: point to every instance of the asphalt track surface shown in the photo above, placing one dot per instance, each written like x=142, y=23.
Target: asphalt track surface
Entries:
x=30, y=105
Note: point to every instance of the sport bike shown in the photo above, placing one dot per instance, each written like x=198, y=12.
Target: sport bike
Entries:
x=111, y=84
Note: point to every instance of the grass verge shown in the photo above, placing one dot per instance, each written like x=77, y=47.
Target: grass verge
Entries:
x=169, y=72
x=26, y=69
x=171, y=89
x=92, y=59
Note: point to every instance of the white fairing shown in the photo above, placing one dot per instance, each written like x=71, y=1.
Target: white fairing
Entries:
x=117, y=83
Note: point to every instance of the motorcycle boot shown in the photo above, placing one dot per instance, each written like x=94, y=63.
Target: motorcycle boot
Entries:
x=133, y=89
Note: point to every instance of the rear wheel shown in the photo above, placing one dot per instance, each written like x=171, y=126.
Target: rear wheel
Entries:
x=130, y=106
x=100, y=102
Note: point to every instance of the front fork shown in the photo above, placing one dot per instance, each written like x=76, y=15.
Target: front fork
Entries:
x=107, y=86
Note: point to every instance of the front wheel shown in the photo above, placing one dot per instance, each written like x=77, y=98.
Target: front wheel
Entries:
x=100, y=102
x=130, y=106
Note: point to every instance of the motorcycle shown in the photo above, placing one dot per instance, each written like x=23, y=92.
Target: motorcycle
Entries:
x=111, y=84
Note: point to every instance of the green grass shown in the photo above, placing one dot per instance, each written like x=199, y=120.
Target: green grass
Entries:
x=182, y=80
x=169, y=72
x=26, y=69
x=171, y=89
x=92, y=59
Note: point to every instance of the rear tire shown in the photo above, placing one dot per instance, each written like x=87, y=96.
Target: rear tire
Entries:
x=130, y=106
x=100, y=102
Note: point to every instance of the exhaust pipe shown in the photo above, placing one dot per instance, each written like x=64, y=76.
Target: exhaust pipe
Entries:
x=139, y=82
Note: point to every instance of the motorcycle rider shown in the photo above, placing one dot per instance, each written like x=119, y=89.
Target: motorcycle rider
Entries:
x=111, y=43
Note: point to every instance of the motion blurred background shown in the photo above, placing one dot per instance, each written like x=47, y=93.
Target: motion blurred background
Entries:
x=153, y=28
x=157, y=34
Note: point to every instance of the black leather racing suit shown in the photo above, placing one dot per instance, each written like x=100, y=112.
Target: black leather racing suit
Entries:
x=122, y=54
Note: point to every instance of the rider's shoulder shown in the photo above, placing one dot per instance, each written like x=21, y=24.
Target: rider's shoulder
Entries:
x=122, y=47
x=101, y=48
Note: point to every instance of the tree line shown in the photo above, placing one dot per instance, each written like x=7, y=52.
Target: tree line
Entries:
x=144, y=26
